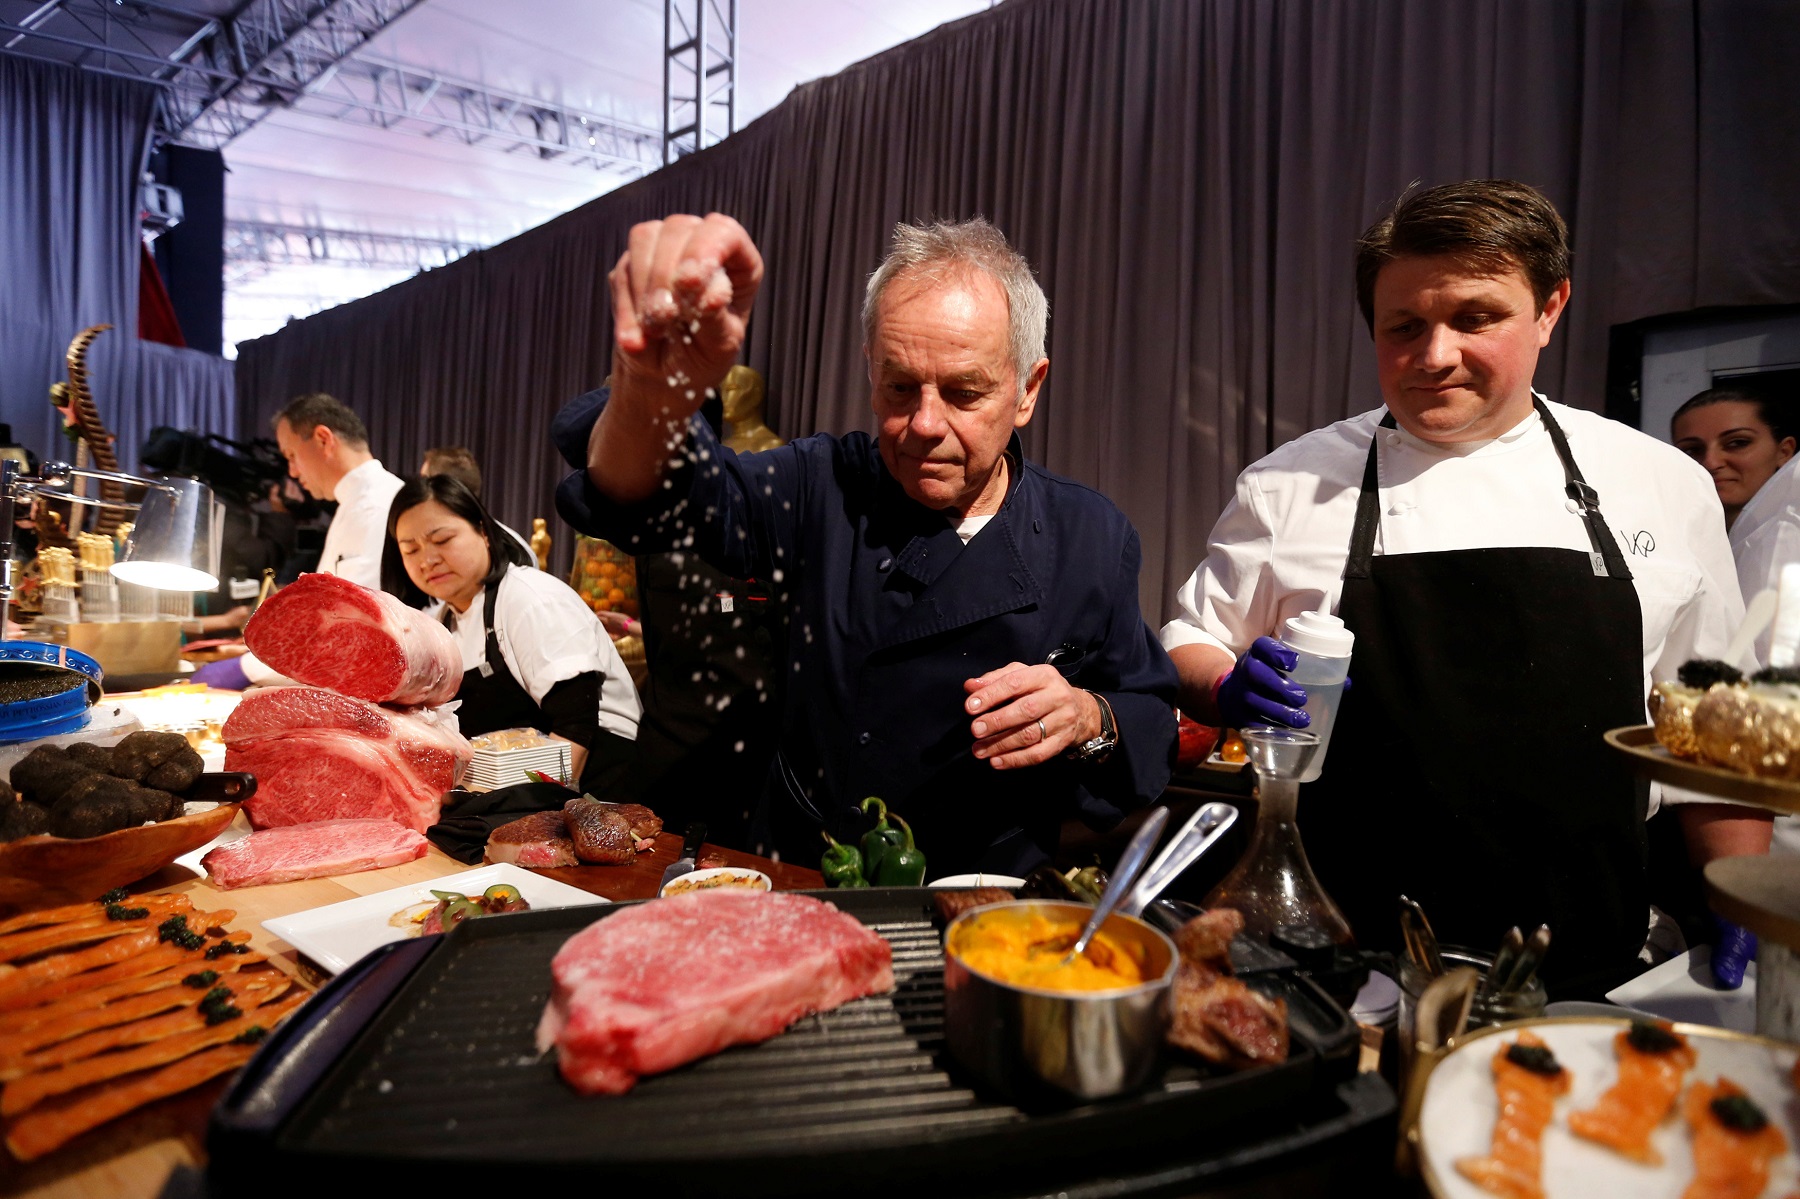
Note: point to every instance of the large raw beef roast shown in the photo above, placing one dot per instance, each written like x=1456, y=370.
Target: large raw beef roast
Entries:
x=281, y=855
x=665, y=982
x=329, y=632
x=317, y=755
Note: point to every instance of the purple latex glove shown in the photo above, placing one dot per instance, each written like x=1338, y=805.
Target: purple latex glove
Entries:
x=227, y=674
x=1733, y=949
x=1254, y=691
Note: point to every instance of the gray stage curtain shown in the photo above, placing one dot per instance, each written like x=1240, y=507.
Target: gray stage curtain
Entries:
x=71, y=146
x=1188, y=176
x=183, y=388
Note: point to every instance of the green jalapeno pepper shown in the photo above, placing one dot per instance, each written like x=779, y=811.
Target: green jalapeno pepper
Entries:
x=842, y=866
x=903, y=865
x=879, y=841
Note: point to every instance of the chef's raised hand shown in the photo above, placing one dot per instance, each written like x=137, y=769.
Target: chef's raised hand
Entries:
x=1254, y=691
x=1021, y=715
x=681, y=294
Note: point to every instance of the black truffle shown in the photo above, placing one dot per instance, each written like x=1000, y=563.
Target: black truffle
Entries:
x=142, y=752
x=96, y=805
x=23, y=820
x=151, y=803
x=87, y=755
x=179, y=772
x=46, y=774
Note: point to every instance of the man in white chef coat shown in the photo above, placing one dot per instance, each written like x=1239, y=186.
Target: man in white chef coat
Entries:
x=327, y=450
x=1516, y=573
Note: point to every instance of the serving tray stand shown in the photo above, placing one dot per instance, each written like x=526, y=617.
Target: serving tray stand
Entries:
x=418, y=1065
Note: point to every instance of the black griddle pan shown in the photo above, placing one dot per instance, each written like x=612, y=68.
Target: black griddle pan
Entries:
x=419, y=1064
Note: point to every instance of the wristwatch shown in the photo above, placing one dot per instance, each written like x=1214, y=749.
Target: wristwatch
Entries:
x=1098, y=748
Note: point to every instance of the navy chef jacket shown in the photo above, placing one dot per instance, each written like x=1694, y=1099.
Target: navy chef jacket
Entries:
x=890, y=612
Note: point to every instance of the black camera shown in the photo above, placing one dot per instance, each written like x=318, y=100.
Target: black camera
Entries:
x=239, y=472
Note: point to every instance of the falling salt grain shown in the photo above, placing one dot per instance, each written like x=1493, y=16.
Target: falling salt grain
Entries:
x=738, y=748
x=384, y=1086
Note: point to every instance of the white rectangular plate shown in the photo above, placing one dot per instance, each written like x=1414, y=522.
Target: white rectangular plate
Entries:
x=337, y=934
x=1682, y=988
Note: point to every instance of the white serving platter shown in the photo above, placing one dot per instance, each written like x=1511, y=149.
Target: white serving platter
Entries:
x=337, y=934
x=1457, y=1119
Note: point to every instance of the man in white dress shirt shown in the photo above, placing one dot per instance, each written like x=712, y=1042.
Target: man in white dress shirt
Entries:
x=1515, y=572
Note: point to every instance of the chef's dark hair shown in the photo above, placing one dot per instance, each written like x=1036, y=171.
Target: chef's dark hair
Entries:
x=1769, y=410
x=305, y=413
x=503, y=550
x=1486, y=225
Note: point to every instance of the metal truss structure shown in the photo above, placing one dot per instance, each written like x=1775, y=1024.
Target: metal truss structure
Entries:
x=699, y=75
x=254, y=248
x=222, y=76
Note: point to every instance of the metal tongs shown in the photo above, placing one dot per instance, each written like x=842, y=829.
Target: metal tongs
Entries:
x=1193, y=839
x=1420, y=942
x=1516, y=963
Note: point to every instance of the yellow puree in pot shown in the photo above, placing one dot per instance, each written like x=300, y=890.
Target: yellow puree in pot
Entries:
x=1025, y=948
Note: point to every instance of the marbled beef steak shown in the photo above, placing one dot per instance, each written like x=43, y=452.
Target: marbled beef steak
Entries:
x=281, y=855
x=330, y=632
x=318, y=755
x=660, y=984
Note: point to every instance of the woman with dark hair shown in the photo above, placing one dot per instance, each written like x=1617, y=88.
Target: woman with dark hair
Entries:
x=1740, y=436
x=561, y=673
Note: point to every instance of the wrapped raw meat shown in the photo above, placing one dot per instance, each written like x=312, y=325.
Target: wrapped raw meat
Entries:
x=330, y=632
x=317, y=755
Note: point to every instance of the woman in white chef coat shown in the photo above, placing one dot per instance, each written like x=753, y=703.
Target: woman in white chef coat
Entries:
x=534, y=655
x=1742, y=438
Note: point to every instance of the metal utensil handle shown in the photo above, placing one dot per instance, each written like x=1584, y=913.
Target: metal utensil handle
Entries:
x=1124, y=875
x=696, y=837
x=1192, y=840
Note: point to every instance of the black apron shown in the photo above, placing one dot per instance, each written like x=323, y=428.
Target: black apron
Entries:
x=1467, y=769
x=491, y=697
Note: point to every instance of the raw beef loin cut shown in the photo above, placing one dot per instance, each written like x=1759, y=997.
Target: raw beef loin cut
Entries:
x=281, y=855
x=318, y=755
x=540, y=839
x=330, y=632
x=662, y=983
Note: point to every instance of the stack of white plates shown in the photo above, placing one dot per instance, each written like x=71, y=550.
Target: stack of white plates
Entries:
x=494, y=768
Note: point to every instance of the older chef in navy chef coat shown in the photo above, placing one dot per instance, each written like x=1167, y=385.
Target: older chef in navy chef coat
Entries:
x=965, y=635
x=1515, y=572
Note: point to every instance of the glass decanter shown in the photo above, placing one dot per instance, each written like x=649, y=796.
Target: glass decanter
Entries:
x=1273, y=885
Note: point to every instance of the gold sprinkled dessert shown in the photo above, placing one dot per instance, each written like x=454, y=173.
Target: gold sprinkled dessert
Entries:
x=1754, y=729
x=1672, y=704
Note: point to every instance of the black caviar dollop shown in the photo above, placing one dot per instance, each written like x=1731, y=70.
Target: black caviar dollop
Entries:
x=1738, y=1113
x=118, y=911
x=175, y=929
x=224, y=949
x=1646, y=1037
x=1536, y=1058
x=202, y=978
x=1777, y=675
x=1701, y=673
x=250, y=1036
x=116, y=895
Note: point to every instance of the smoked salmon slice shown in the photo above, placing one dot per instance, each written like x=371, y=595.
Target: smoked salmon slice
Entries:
x=51, y=988
x=1733, y=1142
x=1652, y=1062
x=52, y=1125
x=1527, y=1079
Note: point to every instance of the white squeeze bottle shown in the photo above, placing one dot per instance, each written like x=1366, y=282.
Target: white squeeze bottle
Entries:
x=1322, y=645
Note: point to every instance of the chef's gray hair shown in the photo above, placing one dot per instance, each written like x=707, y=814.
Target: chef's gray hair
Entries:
x=945, y=248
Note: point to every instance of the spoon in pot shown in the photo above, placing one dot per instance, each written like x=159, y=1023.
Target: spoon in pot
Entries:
x=1124, y=875
x=1191, y=840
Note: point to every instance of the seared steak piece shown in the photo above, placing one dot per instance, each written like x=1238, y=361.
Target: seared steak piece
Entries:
x=953, y=903
x=1214, y=1016
x=540, y=839
x=601, y=832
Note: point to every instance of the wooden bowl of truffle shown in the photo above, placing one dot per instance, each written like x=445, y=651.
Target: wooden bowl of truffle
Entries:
x=80, y=820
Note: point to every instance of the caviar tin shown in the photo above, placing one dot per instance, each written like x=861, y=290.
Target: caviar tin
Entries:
x=47, y=689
